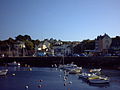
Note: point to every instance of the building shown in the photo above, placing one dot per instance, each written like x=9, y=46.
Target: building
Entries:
x=43, y=46
x=115, y=46
x=19, y=48
x=102, y=43
x=62, y=50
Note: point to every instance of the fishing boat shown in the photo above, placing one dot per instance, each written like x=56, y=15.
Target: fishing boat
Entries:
x=14, y=64
x=3, y=72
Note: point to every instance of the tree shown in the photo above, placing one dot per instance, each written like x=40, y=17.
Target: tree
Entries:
x=23, y=38
x=27, y=37
x=29, y=45
x=84, y=45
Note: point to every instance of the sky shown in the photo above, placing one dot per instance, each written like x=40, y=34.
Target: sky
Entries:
x=68, y=20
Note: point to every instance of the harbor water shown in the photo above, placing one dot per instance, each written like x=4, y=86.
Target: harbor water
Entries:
x=42, y=78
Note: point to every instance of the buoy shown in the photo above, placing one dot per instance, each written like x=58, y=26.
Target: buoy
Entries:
x=65, y=84
x=70, y=82
x=30, y=69
x=13, y=74
x=26, y=87
x=41, y=80
x=39, y=86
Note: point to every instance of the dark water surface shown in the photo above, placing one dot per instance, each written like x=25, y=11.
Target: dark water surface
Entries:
x=52, y=79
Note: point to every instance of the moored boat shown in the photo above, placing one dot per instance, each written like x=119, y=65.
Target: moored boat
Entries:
x=75, y=70
x=3, y=72
x=14, y=64
x=98, y=80
x=85, y=76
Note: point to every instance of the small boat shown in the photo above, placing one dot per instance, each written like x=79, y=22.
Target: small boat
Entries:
x=98, y=80
x=3, y=72
x=95, y=70
x=68, y=66
x=85, y=76
x=14, y=64
x=75, y=70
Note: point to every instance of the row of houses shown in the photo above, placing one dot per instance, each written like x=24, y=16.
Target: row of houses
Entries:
x=103, y=44
x=58, y=49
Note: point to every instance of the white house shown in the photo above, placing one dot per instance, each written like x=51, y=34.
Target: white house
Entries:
x=102, y=43
x=43, y=46
x=62, y=50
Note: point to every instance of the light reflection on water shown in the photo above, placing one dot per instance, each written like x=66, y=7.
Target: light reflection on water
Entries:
x=52, y=79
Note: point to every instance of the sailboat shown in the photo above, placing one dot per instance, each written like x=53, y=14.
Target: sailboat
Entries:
x=71, y=68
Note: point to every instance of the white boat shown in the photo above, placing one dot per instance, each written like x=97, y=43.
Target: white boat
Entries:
x=3, y=72
x=14, y=64
x=95, y=70
x=98, y=80
x=85, y=76
x=75, y=70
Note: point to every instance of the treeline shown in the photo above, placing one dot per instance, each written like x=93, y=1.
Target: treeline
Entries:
x=29, y=43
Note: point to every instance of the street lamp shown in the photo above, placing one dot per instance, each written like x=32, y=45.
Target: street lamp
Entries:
x=23, y=46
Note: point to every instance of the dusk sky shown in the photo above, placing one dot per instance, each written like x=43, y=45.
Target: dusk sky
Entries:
x=71, y=20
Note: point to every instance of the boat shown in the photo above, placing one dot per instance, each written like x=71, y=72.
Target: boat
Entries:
x=95, y=70
x=70, y=68
x=85, y=76
x=14, y=64
x=67, y=66
x=98, y=80
x=3, y=72
x=75, y=70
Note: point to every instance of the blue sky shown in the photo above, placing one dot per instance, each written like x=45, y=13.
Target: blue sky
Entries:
x=71, y=20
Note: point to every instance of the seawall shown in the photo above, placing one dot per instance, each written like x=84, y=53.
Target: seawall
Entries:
x=100, y=62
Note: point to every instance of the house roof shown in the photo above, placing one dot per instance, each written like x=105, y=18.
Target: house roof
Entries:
x=101, y=37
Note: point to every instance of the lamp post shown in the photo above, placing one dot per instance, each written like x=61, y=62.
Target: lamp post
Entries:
x=23, y=47
x=8, y=50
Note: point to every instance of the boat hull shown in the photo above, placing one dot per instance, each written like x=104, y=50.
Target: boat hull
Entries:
x=98, y=81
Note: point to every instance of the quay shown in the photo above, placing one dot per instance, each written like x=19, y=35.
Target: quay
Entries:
x=97, y=62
